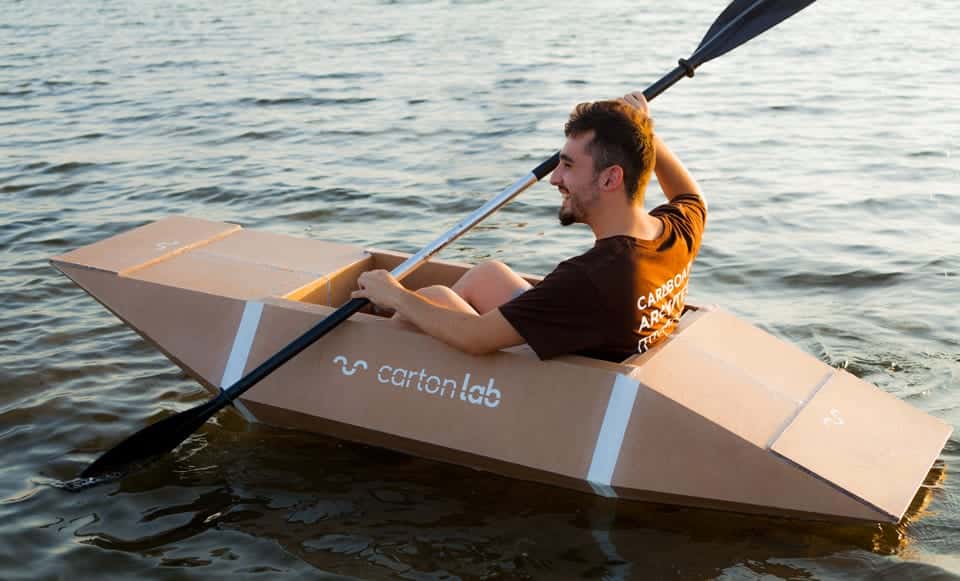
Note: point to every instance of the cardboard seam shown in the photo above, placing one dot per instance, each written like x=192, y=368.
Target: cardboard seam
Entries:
x=57, y=263
x=321, y=280
x=240, y=260
x=763, y=385
x=789, y=421
x=305, y=289
x=189, y=247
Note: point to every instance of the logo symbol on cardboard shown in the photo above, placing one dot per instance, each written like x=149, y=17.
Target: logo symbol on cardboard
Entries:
x=343, y=361
x=166, y=245
x=834, y=418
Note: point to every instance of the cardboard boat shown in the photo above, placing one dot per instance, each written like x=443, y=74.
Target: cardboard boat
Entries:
x=720, y=415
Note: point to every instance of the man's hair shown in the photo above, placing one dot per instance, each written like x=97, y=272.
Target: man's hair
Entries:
x=622, y=136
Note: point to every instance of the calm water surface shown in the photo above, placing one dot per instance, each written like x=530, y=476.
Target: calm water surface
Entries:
x=827, y=148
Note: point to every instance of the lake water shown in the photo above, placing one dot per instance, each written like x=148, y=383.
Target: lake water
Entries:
x=827, y=148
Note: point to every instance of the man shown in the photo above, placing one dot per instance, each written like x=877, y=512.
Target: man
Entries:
x=623, y=296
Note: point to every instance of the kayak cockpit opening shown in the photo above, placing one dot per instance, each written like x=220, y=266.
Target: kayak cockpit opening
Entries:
x=334, y=289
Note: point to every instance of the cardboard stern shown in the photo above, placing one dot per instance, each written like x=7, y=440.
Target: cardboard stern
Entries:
x=720, y=415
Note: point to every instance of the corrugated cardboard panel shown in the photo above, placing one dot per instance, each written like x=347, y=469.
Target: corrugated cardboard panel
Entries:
x=505, y=406
x=225, y=276
x=782, y=367
x=669, y=449
x=279, y=252
x=147, y=244
x=691, y=375
x=194, y=329
x=864, y=441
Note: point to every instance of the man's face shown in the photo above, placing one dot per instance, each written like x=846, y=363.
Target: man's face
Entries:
x=576, y=180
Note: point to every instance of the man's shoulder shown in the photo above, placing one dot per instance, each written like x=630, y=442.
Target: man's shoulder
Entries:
x=575, y=266
x=687, y=215
x=683, y=204
x=603, y=252
x=606, y=261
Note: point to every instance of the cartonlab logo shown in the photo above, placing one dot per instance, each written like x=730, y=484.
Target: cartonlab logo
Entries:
x=346, y=368
x=482, y=393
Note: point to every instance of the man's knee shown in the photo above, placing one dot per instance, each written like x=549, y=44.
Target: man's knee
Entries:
x=489, y=285
x=484, y=273
x=437, y=292
x=492, y=268
x=445, y=297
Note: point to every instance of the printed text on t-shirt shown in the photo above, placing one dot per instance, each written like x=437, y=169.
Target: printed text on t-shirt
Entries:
x=662, y=307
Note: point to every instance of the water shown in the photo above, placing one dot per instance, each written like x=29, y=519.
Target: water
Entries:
x=827, y=148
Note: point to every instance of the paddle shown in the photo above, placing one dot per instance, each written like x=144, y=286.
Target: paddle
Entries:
x=739, y=22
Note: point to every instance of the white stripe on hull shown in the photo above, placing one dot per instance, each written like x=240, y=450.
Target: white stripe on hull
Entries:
x=240, y=352
x=610, y=439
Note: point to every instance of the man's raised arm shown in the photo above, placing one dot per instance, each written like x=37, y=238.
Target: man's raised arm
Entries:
x=672, y=175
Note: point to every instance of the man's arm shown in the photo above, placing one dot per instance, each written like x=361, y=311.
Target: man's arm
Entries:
x=672, y=175
x=474, y=334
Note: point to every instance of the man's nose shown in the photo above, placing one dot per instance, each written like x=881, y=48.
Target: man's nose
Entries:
x=555, y=177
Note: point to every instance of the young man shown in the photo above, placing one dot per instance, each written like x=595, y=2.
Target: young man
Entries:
x=622, y=296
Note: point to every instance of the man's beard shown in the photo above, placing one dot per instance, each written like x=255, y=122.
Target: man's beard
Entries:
x=573, y=212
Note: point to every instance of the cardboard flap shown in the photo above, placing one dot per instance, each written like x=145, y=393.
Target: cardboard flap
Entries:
x=279, y=252
x=785, y=369
x=253, y=265
x=734, y=375
x=147, y=244
x=865, y=441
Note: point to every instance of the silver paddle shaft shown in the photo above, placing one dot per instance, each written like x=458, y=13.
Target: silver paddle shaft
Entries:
x=478, y=215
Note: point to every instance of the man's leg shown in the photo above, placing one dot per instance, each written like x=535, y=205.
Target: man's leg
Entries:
x=488, y=285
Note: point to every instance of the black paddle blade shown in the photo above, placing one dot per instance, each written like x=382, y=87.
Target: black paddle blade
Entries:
x=741, y=21
x=154, y=440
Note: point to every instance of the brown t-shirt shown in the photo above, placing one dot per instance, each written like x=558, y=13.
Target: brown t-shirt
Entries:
x=622, y=296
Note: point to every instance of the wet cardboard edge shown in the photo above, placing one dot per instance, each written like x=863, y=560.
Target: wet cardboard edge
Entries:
x=918, y=483
x=281, y=418
x=891, y=518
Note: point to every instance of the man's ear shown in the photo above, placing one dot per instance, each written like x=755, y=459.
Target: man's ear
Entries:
x=611, y=178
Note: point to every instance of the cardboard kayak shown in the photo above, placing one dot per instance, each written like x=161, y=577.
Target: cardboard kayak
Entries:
x=720, y=415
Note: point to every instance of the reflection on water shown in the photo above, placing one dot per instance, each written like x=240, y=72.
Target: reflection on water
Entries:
x=370, y=512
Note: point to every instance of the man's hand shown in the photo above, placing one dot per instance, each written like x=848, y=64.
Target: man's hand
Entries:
x=636, y=100
x=673, y=177
x=469, y=332
x=381, y=288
